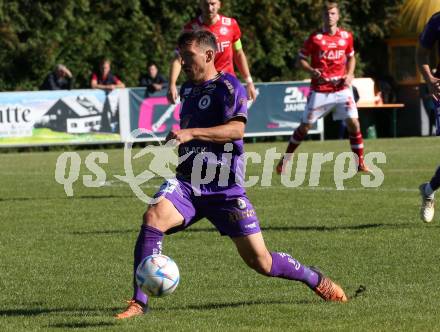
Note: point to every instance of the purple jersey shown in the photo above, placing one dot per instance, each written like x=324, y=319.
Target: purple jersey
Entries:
x=212, y=103
x=431, y=34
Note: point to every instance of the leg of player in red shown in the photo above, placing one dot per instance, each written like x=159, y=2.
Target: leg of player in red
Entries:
x=356, y=142
x=319, y=104
x=295, y=140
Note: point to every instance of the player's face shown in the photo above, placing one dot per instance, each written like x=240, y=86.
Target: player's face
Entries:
x=209, y=8
x=331, y=17
x=193, y=62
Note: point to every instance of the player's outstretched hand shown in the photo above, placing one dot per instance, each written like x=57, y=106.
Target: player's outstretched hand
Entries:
x=251, y=92
x=172, y=94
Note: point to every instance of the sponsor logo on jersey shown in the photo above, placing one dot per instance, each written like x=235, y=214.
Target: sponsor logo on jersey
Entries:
x=241, y=203
x=209, y=88
x=229, y=86
x=251, y=225
x=332, y=54
x=187, y=91
x=332, y=45
x=195, y=149
x=221, y=46
x=204, y=102
x=240, y=215
x=226, y=20
x=224, y=31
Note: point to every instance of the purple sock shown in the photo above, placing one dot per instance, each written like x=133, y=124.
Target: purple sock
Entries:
x=435, y=181
x=287, y=267
x=149, y=242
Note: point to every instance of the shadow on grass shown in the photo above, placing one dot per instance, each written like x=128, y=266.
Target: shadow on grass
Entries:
x=225, y=305
x=41, y=311
x=105, y=232
x=81, y=312
x=81, y=325
x=320, y=228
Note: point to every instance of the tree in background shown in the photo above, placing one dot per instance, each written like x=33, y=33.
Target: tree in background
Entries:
x=35, y=35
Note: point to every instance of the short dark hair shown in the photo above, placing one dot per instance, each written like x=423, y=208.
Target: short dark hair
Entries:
x=203, y=38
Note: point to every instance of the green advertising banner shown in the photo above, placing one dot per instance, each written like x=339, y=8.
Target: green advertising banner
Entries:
x=59, y=117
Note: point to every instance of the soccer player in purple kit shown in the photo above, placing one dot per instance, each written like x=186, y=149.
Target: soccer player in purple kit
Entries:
x=212, y=119
x=427, y=41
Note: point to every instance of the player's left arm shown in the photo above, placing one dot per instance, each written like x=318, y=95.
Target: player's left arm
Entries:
x=351, y=65
x=351, y=61
x=241, y=61
x=230, y=131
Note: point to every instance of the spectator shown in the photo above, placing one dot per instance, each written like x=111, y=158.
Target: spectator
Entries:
x=104, y=79
x=152, y=80
x=59, y=79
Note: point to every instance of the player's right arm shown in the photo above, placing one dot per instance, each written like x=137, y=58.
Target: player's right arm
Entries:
x=302, y=60
x=427, y=41
x=305, y=65
x=422, y=57
x=175, y=69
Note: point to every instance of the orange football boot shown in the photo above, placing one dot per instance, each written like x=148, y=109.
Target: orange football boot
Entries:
x=330, y=291
x=133, y=309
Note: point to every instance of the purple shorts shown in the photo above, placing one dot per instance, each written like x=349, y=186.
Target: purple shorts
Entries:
x=228, y=209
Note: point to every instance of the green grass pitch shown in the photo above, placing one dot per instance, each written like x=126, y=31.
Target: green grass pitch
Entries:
x=66, y=262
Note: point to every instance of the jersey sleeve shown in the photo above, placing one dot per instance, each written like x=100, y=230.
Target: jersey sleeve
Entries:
x=236, y=31
x=235, y=101
x=307, y=48
x=349, y=51
x=429, y=34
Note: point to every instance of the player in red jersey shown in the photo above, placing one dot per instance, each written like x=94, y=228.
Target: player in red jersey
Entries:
x=229, y=48
x=331, y=68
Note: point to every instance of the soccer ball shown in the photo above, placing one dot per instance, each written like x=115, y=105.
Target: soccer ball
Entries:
x=157, y=275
